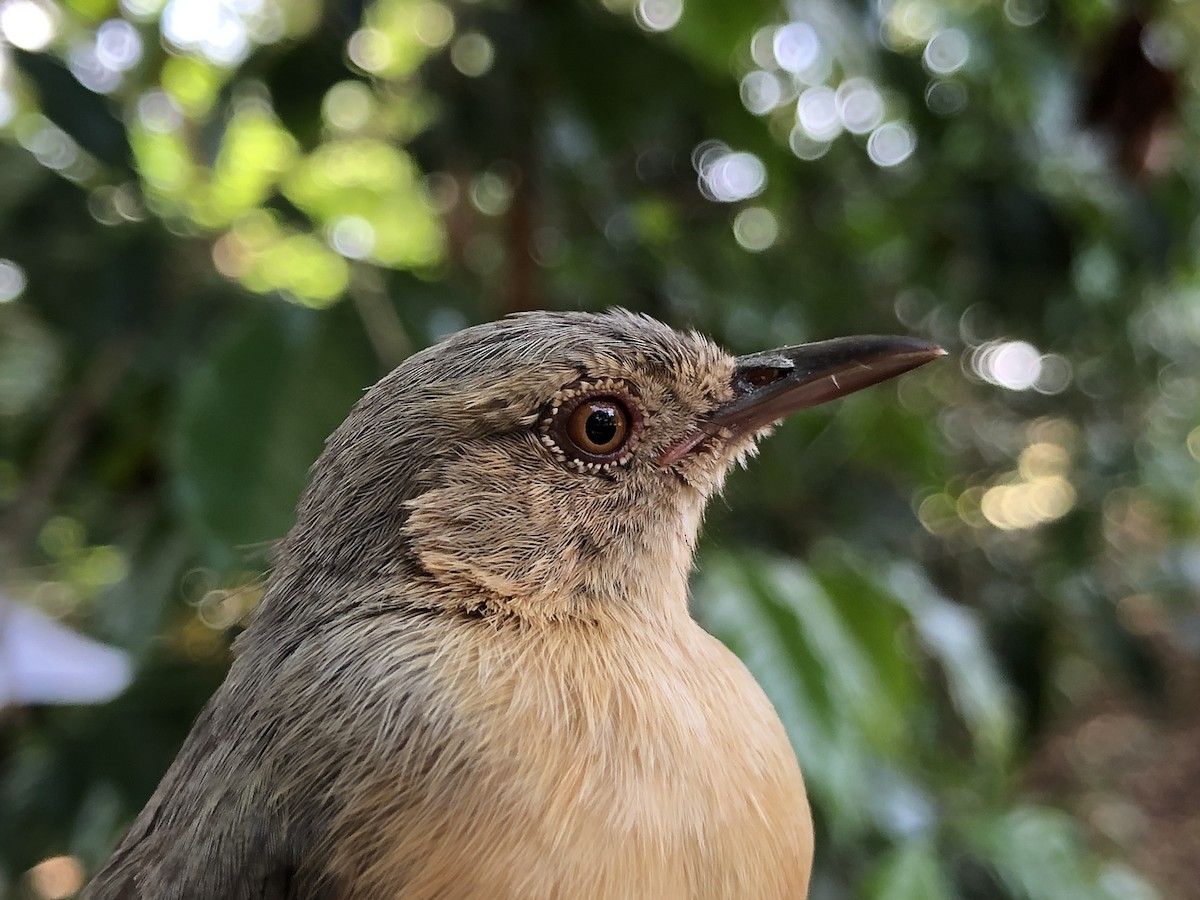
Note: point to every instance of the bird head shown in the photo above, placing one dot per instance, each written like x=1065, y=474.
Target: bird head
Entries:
x=555, y=465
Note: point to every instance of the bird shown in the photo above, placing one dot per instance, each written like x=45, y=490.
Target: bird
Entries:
x=473, y=672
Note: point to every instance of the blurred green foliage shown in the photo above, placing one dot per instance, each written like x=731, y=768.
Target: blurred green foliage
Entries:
x=220, y=220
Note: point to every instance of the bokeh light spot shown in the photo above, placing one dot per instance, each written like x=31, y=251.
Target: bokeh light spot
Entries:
x=947, y=52
x=706, y=153
x=56, y=878
x=860, y=105
x=1055, y=375
x=945, y=98
x=891, y=144
x=491, y=193
x=141, y=10
x=1164, y=44
x=937, y=514
x=761, y=92
x=348, y=105
x=1024, y=13
x=118, y=45
x=804, y=146
x=158, y=112
x=434, y=24
x=213, y=28
x=12, y=280
x=658, y=15
x=1027, y=504
x=755, y=228
x=101, y=206
x=472, y=54
x=911, y=22
x=369, y=49
x=352, y=236
x=91, y=71
x=727, y=176
x=1043, y=459
x=796, y=47
x=762, y=49
x=28, y=24
x=49, y=144
x=1015, y=365
x=817, y=113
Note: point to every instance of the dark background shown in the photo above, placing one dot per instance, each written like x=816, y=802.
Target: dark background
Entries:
x=972, y=594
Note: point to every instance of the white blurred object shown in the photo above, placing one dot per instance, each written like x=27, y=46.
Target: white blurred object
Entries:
x=43, y=661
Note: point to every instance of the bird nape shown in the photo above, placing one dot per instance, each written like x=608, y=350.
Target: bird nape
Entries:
x=474, y=674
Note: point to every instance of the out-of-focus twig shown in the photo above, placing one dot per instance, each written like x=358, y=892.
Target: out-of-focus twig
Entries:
x=384, y=329
x=63, y=442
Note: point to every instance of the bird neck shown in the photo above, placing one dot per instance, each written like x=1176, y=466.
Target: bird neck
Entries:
x=651, y=590
x=536, y=560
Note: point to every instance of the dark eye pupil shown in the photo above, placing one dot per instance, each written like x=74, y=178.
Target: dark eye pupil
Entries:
x=595, y=430
x=601, y=426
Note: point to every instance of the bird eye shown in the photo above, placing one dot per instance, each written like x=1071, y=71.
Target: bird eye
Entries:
x=592, y=426
x=598, y=426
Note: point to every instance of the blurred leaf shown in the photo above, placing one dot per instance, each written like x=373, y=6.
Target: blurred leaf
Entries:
x=952, y=634
x=816, y=667
x=847, y=672
x=30, y=363
x=1040, y=854
x=706, y=30
x=84, y=115
x=762, y=633
x=911, y=871
x=878, y=626
x=253, y=416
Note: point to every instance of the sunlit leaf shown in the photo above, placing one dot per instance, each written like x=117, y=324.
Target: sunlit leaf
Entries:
x=193, y=83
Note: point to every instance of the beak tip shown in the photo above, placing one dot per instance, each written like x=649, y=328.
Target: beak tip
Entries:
x=924, y=348
x=922, y=352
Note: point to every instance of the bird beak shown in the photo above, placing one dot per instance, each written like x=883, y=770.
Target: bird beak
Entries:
x=768, y=386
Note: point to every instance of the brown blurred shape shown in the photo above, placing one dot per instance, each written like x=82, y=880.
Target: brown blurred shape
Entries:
x=1131, y=100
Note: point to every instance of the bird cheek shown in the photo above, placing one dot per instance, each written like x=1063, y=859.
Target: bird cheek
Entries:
x=703, y=467
x=507, y=524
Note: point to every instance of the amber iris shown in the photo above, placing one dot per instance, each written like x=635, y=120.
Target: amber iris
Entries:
x=599, y=426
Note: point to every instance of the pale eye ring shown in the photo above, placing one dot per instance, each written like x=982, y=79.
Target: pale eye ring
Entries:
x=592, y=427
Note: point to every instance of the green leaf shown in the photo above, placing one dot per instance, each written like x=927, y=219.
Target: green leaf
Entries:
x=912, y=871
x=254, y=415
x=1040, y=854
x=953, y=635
x=764, y=635
x=86, y=116
x=817, y=671
x=878, y=624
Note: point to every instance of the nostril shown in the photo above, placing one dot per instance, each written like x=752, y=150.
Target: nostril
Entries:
x=761, y=376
